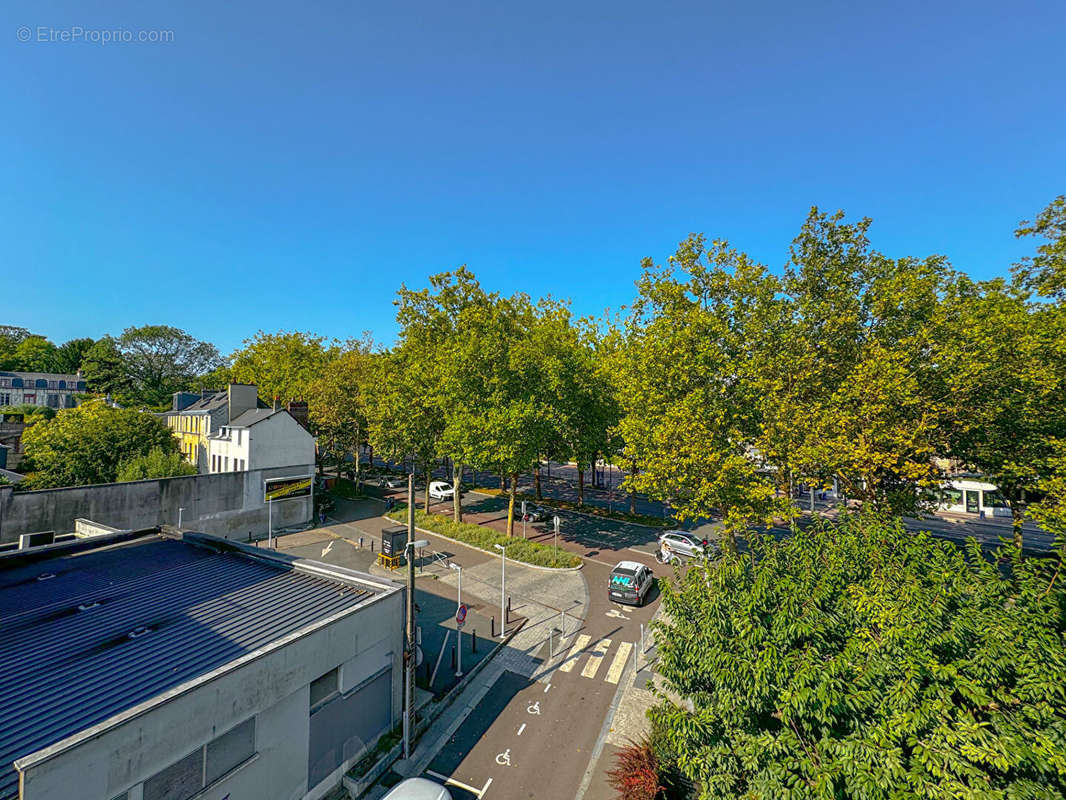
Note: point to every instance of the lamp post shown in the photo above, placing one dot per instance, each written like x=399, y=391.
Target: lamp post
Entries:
x=458, y=626
x=503, y=588
x=409, y=689
x=179, y=517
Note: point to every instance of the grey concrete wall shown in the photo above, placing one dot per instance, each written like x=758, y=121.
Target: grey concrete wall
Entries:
x=228, y=504
x=273, y=688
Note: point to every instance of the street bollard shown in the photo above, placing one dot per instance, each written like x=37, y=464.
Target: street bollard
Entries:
x=371, y=545
x=508, y=617
x=473, y=641
x=360, y=542
x=492, y=627
x=642, y=637
x=562, y=622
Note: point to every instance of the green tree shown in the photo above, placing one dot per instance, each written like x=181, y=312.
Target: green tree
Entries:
x=70, y=355
x=157, y=463
x=159, y=360
x=10, y=336
x=104, y=369
x=283, y=365
x=857, y=661
x=338, y=401
x=1045, y=273
x=683, y=375
x=1004, y=369
x=35, y=354
x=86, y=445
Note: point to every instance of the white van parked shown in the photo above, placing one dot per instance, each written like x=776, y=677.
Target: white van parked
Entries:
x=439, y=490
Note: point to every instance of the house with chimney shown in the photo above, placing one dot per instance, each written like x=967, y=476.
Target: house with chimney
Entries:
x=194, y=417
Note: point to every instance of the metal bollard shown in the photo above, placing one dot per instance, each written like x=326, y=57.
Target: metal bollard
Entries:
x=473, y=641
x=492, y=627
x=360, y=542
x=507, y=619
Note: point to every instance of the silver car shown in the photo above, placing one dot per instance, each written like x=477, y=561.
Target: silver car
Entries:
x=676, y=546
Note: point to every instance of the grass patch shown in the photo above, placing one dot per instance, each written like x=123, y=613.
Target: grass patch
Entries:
x=523, y=550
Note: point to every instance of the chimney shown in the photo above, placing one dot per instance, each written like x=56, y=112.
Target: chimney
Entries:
x=298, y=410
x=277, y=403
x=241, y=397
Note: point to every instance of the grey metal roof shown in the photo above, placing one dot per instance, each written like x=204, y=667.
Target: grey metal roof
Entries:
x=67, y=661
x=252, y=416
x=208, y=402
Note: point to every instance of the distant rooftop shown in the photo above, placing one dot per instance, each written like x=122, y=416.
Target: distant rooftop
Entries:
x=91, y=629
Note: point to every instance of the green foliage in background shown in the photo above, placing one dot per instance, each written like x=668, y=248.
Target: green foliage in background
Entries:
x=86, y=445
x=157, y=463
x=858, y=661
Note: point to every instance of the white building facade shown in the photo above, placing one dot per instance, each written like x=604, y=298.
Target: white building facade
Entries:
x=260, y=439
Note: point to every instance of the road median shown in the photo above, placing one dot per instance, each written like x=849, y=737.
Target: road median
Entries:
x=524, y=551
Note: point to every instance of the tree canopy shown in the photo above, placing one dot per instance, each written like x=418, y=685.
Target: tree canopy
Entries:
x=86, y=445
x=853, y=661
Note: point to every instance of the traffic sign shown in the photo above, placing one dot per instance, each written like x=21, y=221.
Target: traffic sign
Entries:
x=460, y=616
x=555, y=521
x=523, y=508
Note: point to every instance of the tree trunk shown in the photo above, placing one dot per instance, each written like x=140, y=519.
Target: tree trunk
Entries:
x=580, y=486
x=510, y=504
x=429, y=474
x=1017, y=517
x=457, y=500
x=358, y=460
x=536, y=481
x=337, y=454
x=633, y=488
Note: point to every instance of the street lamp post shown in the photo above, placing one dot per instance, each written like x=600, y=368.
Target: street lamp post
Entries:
x=458, y=626
x=409, y=689
x=179, y=517
x=503, y=588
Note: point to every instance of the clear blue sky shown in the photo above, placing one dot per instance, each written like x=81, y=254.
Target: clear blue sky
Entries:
x=287, y=166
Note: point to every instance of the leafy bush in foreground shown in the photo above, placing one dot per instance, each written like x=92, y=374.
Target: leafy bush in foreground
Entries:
x=518, y=549
x=861, y=661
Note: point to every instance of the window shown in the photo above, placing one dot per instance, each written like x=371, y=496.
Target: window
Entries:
x=323, y=687
x=225, y=462
x=951, y=497
x=5, y=381
x=994, y=500
x=238, y=435
x=5, y=398
x=179, y=781
x=53, y=400
x=229, y=750
x=203, y=767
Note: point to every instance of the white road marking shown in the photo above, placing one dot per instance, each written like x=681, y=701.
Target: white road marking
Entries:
x=521, y=729
x=327, y=548
x=503, y=759
x=454, y=782
x=485, y=788
x=534, y=709
x=595, y=658
x=616, y=614
x=546, y=688
x=619, y=663
x=579, y=645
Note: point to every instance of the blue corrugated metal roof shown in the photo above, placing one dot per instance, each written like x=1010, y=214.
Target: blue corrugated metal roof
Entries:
x=67, y=660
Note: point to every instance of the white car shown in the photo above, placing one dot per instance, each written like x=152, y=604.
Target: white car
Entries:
x=439, y=490
x=418, y=789
x=678, y=546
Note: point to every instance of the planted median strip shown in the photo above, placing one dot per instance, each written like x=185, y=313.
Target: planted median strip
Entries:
x=523, y=550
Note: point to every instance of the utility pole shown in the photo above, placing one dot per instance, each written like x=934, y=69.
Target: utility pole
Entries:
x=503, y=589
x=409, y=690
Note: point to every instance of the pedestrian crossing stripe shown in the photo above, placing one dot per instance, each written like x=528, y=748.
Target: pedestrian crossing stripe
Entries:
x=579, y=644
x=614, y=674
x=592, y=666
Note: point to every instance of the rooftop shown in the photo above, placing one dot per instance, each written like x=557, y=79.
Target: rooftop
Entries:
x=92, y=629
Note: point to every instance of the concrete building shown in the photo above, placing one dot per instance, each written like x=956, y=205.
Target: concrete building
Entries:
x=154, y=666
x=260, y=438
x=40, y=389
x=193, y=419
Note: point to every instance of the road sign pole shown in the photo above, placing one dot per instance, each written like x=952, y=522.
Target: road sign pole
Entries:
x=556, y=520
x=409, y=688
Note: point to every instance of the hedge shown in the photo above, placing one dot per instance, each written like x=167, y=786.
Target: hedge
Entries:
x=523, y=550
x=596, y=511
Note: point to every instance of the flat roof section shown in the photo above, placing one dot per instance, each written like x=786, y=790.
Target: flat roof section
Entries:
x=88, y=633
